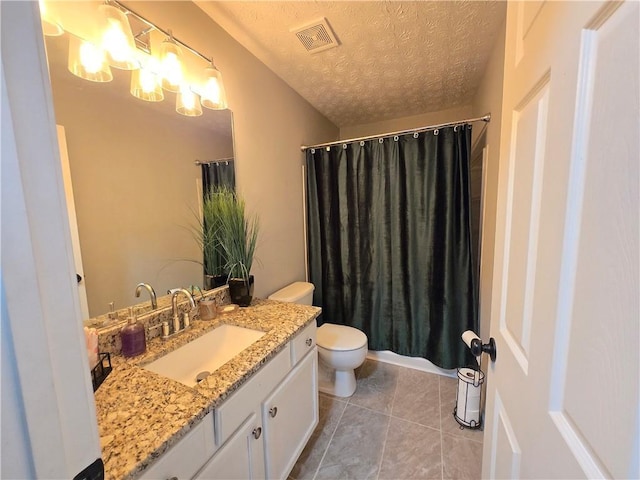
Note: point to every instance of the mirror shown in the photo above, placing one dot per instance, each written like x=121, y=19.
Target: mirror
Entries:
x=137, y=189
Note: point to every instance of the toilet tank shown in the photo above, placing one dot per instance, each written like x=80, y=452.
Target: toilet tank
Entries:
x=297, y=292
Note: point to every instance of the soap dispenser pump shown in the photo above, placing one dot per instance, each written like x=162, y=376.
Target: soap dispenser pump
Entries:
x=133, y=338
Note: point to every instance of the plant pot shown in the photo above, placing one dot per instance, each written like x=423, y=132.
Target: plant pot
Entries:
x=214, y=281
x=240, y=292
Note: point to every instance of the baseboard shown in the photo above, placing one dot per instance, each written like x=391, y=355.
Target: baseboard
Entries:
x=417, y=363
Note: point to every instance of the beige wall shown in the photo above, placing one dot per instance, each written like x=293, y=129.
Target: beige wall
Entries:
x=271, y=121
x=488, y=98
x=406, y=123
x=134, y=182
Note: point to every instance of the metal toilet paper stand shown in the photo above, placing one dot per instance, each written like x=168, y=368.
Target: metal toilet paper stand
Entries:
x=467, y=411
x=468, y=397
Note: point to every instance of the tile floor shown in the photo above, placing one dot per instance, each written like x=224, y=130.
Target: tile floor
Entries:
x=397, y=426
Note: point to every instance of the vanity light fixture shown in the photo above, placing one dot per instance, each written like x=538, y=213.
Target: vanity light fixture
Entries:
x=88, y=61
x=212, y=94
x=146, y=84
x=171, y=64
x=107, y=34
x=188, y=102
x=117, y=38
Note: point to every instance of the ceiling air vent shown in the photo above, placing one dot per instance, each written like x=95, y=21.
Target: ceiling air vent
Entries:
x=316, y=36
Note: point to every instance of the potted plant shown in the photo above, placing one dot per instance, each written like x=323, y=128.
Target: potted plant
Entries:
x=238, y=235
x=207, y=233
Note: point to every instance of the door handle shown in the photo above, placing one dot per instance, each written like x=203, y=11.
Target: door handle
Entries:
x=477, y=347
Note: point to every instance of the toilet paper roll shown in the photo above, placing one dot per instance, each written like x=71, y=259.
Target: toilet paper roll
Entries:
x=468, y=396
x=469, y=336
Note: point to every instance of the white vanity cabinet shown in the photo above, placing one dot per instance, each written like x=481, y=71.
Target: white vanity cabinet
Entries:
x=241, y=457
x=289, y=416
x=183, y=460
x=261, y=429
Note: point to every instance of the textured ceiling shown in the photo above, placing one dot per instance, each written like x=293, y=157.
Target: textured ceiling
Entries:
x=395, y=59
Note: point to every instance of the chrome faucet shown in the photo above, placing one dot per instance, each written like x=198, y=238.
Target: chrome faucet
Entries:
x=152, y=294
x=174, y=308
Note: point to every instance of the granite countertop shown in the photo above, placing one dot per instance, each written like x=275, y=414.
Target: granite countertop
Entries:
x=142, y=414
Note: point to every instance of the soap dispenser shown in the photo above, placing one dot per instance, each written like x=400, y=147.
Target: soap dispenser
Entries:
x=133, y=337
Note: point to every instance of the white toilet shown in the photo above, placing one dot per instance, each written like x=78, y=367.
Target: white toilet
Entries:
x=341, y=349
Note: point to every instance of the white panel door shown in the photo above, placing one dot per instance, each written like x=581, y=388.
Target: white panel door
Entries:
x=562, y=397
x=73, y=221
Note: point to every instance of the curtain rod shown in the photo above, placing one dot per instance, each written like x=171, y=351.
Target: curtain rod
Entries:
x=197, y=163
x=484, y=118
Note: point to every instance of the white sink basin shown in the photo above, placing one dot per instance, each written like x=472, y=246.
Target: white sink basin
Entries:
x=204, y=354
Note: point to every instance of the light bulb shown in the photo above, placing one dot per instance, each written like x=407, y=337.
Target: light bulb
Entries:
x=117, y=38
x=91, y=57
x=115, y=42
x=213, y=95
x=172, y=69
x=145, y=85
x=187, y=102
x=148, y=81
x=88, y=61
x=171, y=65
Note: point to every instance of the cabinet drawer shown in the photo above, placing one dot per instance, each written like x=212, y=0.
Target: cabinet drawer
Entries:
x=186, y=457
x=242, y=403
x=303, y=342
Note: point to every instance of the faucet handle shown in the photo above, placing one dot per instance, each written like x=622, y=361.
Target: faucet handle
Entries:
x=192, y=289
x=112, y=311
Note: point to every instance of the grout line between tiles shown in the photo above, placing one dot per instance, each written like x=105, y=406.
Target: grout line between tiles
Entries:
x=386, y=434
x=329, y=442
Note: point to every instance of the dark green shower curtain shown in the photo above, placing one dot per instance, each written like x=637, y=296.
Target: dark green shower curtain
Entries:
x=390, y=242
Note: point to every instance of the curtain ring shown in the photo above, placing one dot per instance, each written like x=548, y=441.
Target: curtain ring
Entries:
x=313, y=150
x=362, y=143
x=380, y=140
x=415, y=135
x=344, y=146
x=455, y=128
x=395, y=138
x=328, y=149
x=436, y=131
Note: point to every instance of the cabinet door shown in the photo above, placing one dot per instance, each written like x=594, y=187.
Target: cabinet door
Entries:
x=186, y=457
x=241, y=457
x=289, y=416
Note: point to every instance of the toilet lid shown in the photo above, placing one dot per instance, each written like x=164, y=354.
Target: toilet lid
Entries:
x=340, y=337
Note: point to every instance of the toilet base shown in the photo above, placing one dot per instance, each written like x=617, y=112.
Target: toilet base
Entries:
x=339, y=383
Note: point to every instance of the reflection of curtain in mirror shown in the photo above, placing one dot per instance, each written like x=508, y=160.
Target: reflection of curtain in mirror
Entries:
x=218, y=173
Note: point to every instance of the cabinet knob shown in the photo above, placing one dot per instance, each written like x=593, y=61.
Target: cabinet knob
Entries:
x=257, y=432
x=308, y=341
x=273, y=411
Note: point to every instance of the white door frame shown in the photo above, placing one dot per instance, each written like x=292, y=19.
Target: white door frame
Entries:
x=38, y=276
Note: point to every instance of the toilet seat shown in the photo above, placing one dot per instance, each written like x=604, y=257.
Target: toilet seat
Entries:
x=340, y=337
